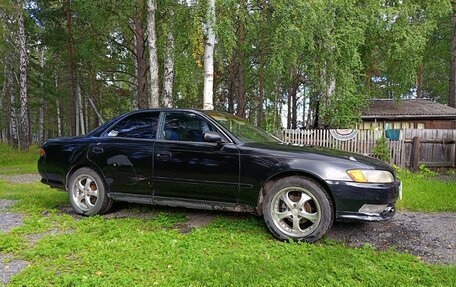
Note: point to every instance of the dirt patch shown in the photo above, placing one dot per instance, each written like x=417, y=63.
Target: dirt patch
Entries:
x=21, y=178
x=195, y=220
x=6, y=203
x=9, y=220
x=431, y=236
x=9, y=267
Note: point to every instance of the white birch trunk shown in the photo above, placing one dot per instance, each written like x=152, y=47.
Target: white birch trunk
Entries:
x=57, y=103
x=208, y=97
x=79, y=111
x=168, y=78
x=24, y=112
x=2, y=99
x=153, y=58
x=86, y=115
x=13, y=117
x=41, y=101
x=59, y=120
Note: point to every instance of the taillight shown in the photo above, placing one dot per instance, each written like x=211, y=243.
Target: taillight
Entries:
x=42, y=152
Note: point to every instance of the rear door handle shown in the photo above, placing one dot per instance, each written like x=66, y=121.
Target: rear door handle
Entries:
x=97, y=149
x=164, y=155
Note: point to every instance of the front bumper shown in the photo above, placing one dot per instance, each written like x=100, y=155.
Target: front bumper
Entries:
x=383, y=215
x=351, y=197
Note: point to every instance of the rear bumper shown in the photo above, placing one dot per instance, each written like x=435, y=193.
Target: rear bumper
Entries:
x=53, y=184
x=351, y=199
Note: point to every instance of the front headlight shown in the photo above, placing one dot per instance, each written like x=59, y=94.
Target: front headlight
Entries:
x=371, y=175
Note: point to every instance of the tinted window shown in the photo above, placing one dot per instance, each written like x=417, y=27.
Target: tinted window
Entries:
x=241, y=128
x=141, y=126
x=185, y=127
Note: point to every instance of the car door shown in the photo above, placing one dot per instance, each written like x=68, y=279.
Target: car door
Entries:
x=124, y=153
x=186, y=167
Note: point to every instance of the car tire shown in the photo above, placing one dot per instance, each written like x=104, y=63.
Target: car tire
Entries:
x=297, y=208
x=87, y=192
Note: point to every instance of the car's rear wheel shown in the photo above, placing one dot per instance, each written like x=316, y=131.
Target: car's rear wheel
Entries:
x=87, y=192
x=297, y=208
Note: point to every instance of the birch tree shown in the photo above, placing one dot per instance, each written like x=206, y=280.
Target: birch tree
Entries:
x=14, y=134
x=140, y=54
x=168, y=73
x=208, y=92
x=23, y=61
x=153, y=58
x=41, y=100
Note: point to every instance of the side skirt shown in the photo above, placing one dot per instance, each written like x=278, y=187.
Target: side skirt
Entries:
x=182, y=202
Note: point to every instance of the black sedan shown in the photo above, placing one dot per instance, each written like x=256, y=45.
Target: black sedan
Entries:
x=213, y=160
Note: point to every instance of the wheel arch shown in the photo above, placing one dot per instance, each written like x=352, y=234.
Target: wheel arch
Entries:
x=87, y=165
x=278, y=176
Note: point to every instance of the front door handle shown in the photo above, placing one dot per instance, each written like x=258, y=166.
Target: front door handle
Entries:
x=164, y=155
x=97, y=149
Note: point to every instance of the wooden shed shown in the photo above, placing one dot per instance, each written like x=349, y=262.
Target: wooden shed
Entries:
x=408, y=114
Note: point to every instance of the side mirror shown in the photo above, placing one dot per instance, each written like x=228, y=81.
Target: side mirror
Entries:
x=212, y=137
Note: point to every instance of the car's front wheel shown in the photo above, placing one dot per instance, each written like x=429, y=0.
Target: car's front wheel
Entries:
x=297, y=208
x=87, y=192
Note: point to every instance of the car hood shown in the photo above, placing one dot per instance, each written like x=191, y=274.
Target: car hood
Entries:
x=281, y=149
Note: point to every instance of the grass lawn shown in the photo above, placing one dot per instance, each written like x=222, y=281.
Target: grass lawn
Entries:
x=424, y=192
x=95, y=251
x=18, y=162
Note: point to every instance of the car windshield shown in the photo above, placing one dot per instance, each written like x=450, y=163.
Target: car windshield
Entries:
x=241, y=128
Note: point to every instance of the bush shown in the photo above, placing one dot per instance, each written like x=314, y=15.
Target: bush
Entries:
x=381, y=149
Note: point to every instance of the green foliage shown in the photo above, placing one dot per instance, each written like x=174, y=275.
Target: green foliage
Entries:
x=381, y=149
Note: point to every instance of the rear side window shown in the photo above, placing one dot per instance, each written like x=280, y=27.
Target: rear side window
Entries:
x=139, y=126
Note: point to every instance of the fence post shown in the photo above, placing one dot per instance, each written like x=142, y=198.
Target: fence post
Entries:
x=415, y=153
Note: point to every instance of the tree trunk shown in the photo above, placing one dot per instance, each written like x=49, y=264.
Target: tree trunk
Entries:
x=59, y=120
x=294, y=109
x=72, y=85
x=241, y=84
x=289, y=100
x=452, y=95
x=153, y=58
x=57, y=104
x=80, y=109
x=260, y=91
x=141, y=62
x=231, y=83
x=419, y=82
x=168, y=77
x=41, y=101
x=208, y=91
x=14, y=135
x=24, y=115
x=3, y=102
x=99, y=116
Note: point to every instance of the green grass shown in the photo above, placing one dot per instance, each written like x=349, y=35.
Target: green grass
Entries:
x=424, y=192
x=95, y=251
x=13, y=161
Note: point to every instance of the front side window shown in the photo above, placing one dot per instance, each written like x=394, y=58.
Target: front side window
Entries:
x=139, y=126
x=241, y=128
x=185, y=127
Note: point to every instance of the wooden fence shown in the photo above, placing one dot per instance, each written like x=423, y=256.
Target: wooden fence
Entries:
x=413, y=147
